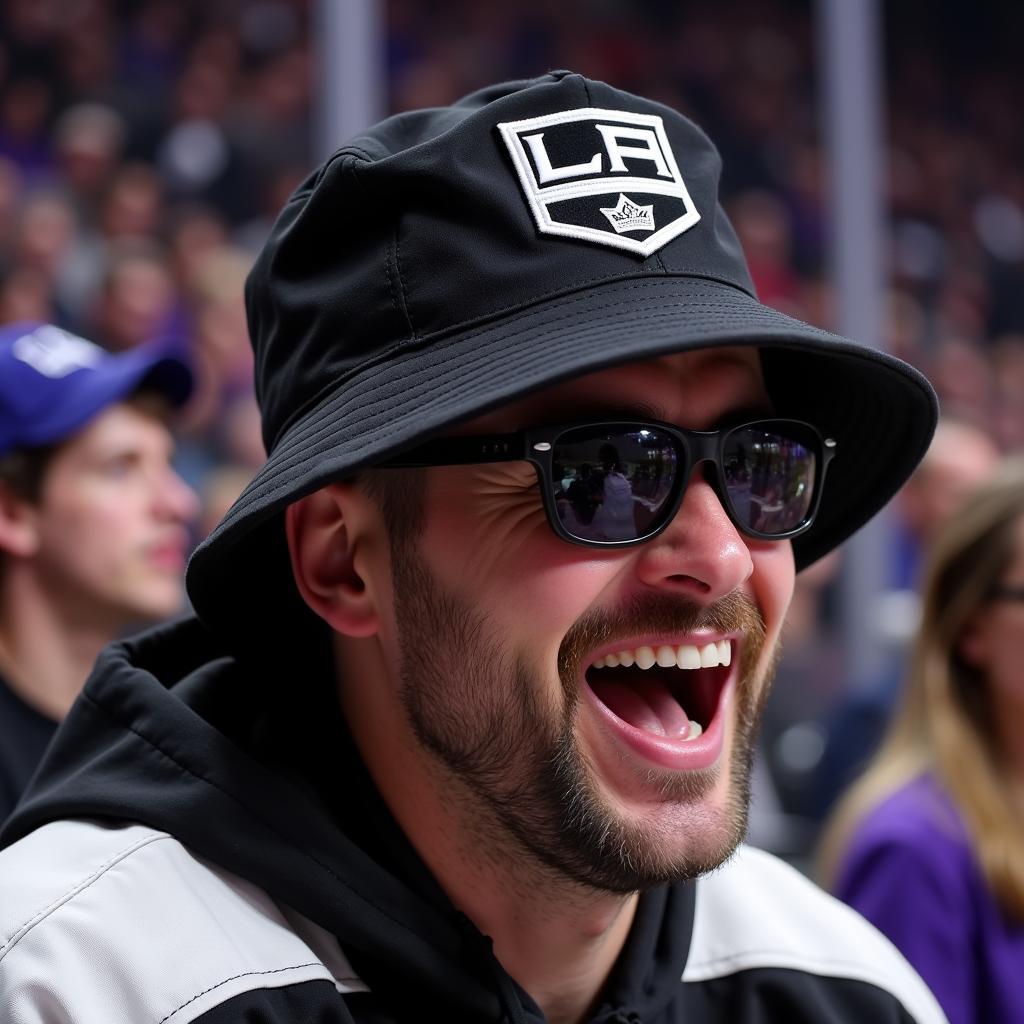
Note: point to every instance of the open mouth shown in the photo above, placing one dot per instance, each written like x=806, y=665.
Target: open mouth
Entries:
x=669, y=693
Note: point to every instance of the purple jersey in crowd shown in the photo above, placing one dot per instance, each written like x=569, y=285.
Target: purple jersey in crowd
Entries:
x=910, y=870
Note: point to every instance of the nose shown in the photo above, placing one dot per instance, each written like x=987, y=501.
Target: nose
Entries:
x=175, y=500
x=700, y=554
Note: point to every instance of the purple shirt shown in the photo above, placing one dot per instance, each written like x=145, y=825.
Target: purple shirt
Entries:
x=910, y=871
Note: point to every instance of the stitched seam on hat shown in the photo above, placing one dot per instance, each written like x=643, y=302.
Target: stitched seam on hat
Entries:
x=401, y=284
x=307, y=193
x=692, y=274
x=389, y=256
x=368, y=157
x=391, y=282
x=643, y=282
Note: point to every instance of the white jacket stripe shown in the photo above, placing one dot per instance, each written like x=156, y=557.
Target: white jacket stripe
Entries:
x=107, y=948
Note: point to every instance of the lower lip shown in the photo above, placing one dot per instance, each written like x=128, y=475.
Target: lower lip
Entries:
x=674, y=755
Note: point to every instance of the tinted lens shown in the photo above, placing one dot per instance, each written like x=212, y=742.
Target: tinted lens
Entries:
x=613, y=484
x=770, y=474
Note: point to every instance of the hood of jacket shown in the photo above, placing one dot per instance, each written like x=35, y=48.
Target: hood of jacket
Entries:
x=248, y=763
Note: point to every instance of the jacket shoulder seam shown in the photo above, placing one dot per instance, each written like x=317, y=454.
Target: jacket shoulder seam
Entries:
x=69, y=894
x=235, y=977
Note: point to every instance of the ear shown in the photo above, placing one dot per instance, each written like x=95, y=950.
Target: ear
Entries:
x=19, y=535
x=329, y=539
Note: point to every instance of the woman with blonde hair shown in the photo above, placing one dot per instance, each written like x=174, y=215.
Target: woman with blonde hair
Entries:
x=929, y=843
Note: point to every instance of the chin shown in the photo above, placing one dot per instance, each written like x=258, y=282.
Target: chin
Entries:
x=156, y=604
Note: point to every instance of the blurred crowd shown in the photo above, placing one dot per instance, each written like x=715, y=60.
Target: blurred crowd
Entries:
x=144, y=151
x=145, y=146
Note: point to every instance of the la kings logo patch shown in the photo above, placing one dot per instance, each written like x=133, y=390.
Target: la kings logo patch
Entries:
x=606, y=176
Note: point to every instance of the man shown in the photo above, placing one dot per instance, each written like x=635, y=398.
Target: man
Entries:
x=93, y=522
x=431, y=752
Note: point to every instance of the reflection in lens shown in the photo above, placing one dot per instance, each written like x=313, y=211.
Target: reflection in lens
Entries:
x=612, y=484
x=769, y=478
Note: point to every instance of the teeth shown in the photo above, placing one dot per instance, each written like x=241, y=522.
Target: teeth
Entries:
x=695, y=730
x=644, y=657
x=685, y=656
x=666, y=657
x=709, y=656
x=688, y=657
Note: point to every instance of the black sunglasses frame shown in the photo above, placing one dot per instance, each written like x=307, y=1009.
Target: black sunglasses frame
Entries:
x=693, y=447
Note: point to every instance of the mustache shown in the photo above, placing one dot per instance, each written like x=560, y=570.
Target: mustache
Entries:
x=662, y=613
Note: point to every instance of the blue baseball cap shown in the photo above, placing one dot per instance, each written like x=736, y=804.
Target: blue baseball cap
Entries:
x=52, y=382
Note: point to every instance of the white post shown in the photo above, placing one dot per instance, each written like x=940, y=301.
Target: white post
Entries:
x=350, y=45
x=851, y=74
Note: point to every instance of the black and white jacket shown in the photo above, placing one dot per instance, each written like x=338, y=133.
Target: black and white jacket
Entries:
x=176, y=862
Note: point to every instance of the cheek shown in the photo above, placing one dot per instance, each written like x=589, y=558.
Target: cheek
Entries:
x=526, y=580
x=772, y=582
x=95, y=535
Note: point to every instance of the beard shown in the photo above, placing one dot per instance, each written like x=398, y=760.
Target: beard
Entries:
x=514, y=764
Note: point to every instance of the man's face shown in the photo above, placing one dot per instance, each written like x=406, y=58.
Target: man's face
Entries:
x=111, y=521
x=497, y=625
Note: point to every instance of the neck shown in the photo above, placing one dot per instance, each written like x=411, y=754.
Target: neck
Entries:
x=558, y=939
x=46, y=650
x=560, y=948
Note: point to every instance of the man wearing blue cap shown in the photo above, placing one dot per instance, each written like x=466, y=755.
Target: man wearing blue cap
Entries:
x=93, y=522
x=445, y=742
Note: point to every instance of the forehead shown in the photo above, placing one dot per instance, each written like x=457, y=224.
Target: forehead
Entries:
x=691, y=389
x=136, y=423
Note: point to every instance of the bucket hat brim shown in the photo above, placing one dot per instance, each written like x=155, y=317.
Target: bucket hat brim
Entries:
x=880, y=411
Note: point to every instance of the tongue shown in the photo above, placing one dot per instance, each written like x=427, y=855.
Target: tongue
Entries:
x=646, y=705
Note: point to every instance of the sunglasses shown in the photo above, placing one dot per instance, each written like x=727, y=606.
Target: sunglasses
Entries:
x=617, y=483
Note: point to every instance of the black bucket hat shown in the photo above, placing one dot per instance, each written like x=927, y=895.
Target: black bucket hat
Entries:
x=451, y=260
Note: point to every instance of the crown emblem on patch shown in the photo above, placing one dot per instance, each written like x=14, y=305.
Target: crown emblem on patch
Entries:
x=628, y=216
x=572, y=162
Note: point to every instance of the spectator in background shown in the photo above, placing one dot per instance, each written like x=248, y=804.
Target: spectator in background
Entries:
x=960, y=458
x=929, y=844
x=25, y=105
x=137, y=298
x=93, y=522
x=88, y=140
